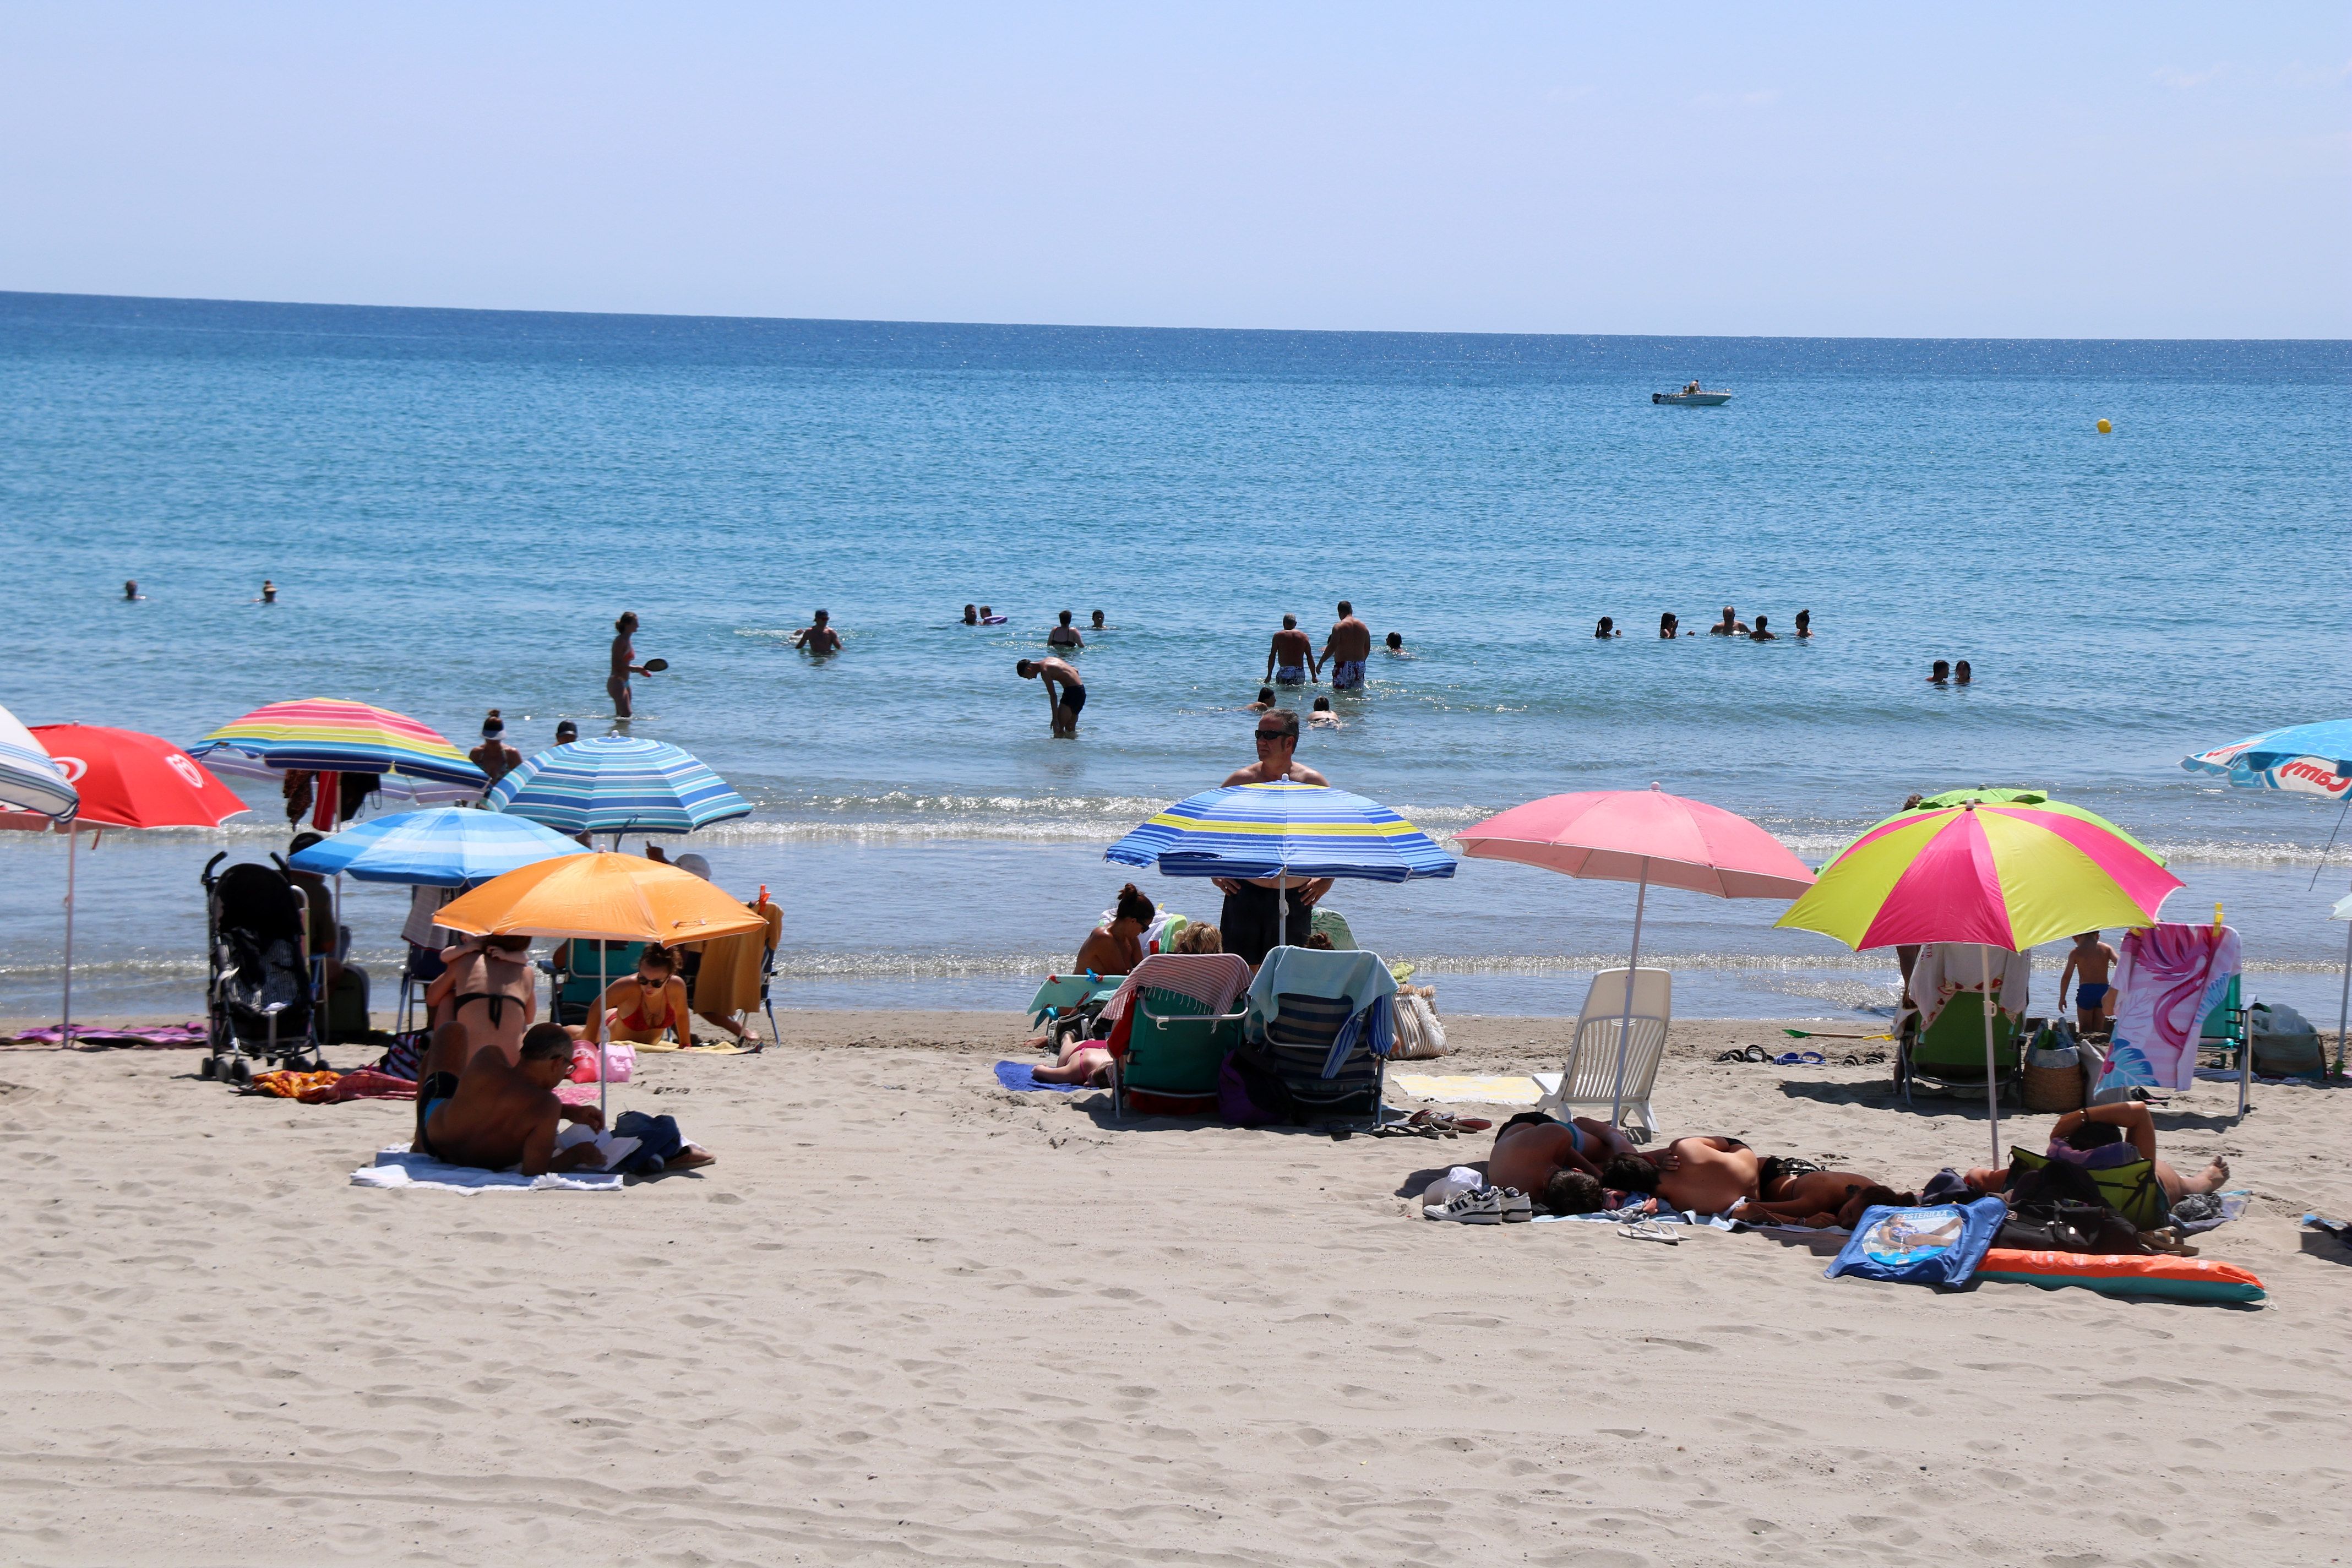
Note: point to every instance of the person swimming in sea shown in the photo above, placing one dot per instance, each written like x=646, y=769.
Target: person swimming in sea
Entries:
x=1961, y=674
x=1731, y=625
x=1394, y=643
x=1101, y=625
x=1761, y=634
x=1064, y=634
x=269, y=592
x=1264, y=703
x=971, y=615
x=988, y=618
x=1804, y=624
x=1323, y=716
x=1670, y=625
x=1939, y=672
x=131, y=592
x=1607, y=628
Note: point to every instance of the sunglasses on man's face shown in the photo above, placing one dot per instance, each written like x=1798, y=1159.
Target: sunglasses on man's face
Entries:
x=1273, y=737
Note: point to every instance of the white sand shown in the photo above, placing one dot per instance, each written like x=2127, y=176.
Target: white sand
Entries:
x=911, y=1318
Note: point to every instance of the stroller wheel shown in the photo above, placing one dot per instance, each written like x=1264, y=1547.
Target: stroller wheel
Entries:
x=239, y=1073
x=209, y=1068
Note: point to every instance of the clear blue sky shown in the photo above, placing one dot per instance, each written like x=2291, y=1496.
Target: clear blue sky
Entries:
x=2120, y=170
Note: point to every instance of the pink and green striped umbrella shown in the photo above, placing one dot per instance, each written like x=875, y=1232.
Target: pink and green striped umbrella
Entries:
x=2003, y=874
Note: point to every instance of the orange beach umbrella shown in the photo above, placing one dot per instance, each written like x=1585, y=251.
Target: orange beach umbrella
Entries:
x=601, y=898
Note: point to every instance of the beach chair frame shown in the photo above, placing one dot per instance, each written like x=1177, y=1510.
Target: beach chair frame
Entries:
x=1587, y=1079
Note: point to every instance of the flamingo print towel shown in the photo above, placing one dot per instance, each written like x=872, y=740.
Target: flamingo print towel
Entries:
x=2170, y=978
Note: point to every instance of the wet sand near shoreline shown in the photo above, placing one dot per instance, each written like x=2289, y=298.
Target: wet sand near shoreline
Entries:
x=910, y=1316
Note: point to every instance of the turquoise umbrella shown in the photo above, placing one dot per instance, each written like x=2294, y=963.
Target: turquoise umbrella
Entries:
x=616, y=785
x=451, y=847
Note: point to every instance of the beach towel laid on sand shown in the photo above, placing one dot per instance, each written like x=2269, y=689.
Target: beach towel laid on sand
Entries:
x=161, y=1036
x=399, y=1167
x=2168, y=978
x=332, y=1088
x=1022, y=1076
x=1469, y=1089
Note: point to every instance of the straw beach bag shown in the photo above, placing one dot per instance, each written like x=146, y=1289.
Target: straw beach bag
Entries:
x=1418, y=1034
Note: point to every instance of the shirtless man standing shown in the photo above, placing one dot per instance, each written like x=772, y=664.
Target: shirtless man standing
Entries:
x=1350, y=644
x=1063, y=690
x=1252, y=918
x=1731, y=625
x=502, y=1113
x=1290, y=659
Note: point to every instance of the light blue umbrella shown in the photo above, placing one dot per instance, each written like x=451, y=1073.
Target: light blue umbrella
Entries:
x=1282, y=830
x=29, y=779
x=2308, y=759
x=616, y=785
x=2303, y=759
x=451, y=847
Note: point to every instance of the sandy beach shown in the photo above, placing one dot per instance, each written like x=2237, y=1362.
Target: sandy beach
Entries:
x=910, y=1317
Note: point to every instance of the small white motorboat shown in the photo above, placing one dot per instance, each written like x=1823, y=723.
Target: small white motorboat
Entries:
x=1692, y=397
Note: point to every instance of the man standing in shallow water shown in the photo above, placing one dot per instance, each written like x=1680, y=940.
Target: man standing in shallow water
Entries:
x=1291, y=655
x=1350, y=644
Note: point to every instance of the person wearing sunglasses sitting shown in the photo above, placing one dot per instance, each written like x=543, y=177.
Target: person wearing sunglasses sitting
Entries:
x=639, y=1008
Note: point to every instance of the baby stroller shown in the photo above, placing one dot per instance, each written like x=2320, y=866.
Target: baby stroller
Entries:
x=257, y=997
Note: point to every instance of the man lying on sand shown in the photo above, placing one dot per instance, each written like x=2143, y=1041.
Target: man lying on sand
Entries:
x=2108, y=1135
x=1798, y=1192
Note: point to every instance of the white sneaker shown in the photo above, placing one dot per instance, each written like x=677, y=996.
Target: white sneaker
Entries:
x=1483, y=1206
x=1518, y=1207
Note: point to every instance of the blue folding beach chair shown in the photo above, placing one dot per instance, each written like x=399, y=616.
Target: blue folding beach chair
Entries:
x=1325, y=1024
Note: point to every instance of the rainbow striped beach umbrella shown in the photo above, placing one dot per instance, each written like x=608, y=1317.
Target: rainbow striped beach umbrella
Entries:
x=1282, y=830
x=2006, y=875
x=330, y=736
x=616, y=785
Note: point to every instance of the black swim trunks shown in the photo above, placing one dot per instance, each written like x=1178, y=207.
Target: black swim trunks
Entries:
x=1252, y=924
x=1073, y=698
x=431, y=1095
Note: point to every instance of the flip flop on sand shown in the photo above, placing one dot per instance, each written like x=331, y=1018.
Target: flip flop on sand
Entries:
x=1745, y=1054
x=1800, y=1060
x=1650, y=1231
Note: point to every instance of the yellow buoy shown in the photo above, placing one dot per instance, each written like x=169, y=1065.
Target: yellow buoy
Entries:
x=2106, y=429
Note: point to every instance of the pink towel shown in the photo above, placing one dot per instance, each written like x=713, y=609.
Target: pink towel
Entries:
x=2169, y=979
x=1214, y=979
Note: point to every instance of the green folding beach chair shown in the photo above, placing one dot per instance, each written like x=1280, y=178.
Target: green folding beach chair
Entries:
x=578, y=981
x=2222, y=1038
x=2132, y=1191
x=1949, y=1055
x=1173, y=1055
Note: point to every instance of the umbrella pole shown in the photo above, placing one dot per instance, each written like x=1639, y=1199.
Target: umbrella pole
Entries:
x=1992, y=1081
x=2343, y=1007
x=65, y=1024
x=1625, y=1024
x=603, y=1087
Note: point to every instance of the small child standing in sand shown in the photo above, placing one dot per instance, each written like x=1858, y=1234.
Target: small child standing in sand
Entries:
x=2091, y=961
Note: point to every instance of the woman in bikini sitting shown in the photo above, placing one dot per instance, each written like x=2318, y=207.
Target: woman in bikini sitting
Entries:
x=487, y=985
x=639, y=1008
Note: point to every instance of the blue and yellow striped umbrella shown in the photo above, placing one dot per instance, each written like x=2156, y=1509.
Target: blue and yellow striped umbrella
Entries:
x=1283, y=829
x=617, y=783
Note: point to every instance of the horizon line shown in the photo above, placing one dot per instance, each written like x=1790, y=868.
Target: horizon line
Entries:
x=1113, y=327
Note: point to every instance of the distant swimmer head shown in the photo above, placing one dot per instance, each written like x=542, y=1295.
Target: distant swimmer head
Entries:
x=1763, y=628
x=1668, y=625
x=566, y=732
x=1804, y=622
x=1607, y=627
x=1730, y=615
x=1098, y=620
x=269, y=592
x=971, y=615
x=1346, y=608
x=1265, y=696
x=1961, y=674
x=131, y=590
x=820, y=617
x=1322, y=705
x=1939, y=672
x=1395, y=641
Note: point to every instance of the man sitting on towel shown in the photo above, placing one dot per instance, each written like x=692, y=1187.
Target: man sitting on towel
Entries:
x=501, y=1114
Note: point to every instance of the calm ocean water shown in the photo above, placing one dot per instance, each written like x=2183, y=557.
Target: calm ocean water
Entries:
x=454, y=506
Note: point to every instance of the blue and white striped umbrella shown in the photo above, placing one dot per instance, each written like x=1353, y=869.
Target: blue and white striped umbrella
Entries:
x=29, y=779
x=1283, y=829
x=452, y=847
x=617, y=783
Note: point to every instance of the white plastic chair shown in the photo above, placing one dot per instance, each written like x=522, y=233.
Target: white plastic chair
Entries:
x=1590, y=1077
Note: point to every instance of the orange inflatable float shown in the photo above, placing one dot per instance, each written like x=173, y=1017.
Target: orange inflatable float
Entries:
x=2111, y=1274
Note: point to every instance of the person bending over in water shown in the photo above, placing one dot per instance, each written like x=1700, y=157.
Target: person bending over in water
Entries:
x=1555, y=1163
x=1118, y=947
x=1065, y=693
x=1762, y=634
x=500, y=1113
x=1064, y=634
x=2090, y=961
x=639, y=1007
x=1350, y=644
x=1731, y=625
x=818, y=636
x=2106, y=1136
x=1290, y=657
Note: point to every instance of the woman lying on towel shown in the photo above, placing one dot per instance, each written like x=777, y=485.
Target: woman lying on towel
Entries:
x=1082, y=1062
x=2107, y=1135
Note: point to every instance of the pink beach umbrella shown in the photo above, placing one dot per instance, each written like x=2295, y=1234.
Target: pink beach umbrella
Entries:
x=1642, y=837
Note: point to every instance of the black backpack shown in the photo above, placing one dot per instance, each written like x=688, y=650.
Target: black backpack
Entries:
x=2057, y=1207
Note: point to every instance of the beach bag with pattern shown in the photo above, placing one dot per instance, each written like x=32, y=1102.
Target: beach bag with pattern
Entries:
x=1939, y=1244
x=1418, y=1034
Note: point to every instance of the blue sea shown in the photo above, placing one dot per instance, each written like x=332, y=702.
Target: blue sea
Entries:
x=454, y=505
